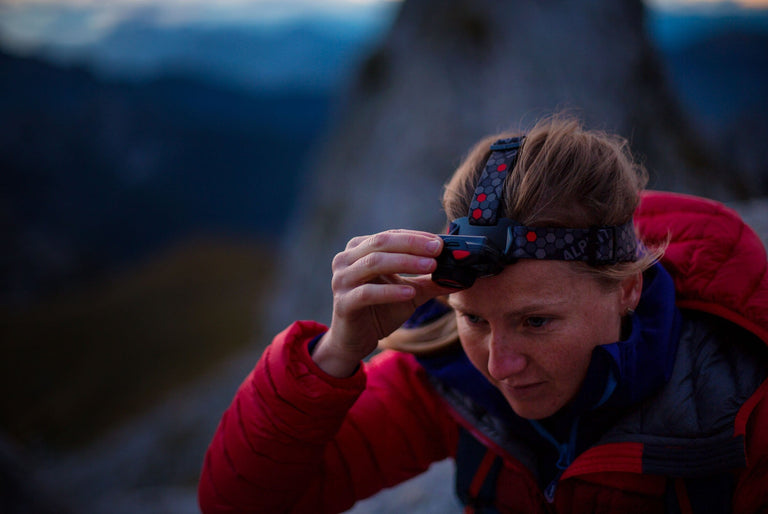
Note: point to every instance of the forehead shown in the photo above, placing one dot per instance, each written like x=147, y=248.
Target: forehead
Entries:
x=528, y=283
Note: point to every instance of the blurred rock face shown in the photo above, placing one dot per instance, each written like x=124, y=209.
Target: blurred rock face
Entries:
x=452, y=71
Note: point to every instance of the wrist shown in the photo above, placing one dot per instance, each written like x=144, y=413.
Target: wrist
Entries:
x=332, y=361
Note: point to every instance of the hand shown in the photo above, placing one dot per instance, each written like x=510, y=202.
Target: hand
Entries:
x=372, y=296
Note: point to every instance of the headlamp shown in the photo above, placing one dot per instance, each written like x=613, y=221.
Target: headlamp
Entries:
x=481, y=244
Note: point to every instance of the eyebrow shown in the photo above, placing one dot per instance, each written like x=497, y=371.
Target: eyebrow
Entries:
x=527, y=309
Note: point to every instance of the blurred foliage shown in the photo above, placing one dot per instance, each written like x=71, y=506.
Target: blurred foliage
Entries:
x=82, y=362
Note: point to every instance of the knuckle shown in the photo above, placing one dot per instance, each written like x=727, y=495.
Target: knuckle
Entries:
x=355, y=242
x=379, y=240
x=371, y=260
x=413, y=240
x=363, y=295
x=337, y=282
x=339, y=261
x=404, y=261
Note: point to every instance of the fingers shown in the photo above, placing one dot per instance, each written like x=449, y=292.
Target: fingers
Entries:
x=425, y=288
x=392, y=241
x=369, y=295
x=381, y=268
x=378, y=281
x=383, y=256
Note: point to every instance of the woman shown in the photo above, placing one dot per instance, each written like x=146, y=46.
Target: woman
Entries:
x=546, y=351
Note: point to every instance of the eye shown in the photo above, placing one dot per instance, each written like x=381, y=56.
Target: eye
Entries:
x=536, y=321
x=472, y=319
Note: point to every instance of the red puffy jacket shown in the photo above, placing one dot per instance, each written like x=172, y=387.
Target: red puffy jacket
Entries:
x=297, y=440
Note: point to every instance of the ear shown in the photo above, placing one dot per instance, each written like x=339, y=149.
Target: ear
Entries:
x=631, y=289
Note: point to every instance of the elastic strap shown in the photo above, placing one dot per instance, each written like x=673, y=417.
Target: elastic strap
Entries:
x=484, y=209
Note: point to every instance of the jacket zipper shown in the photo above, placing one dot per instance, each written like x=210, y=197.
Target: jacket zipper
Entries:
x=566, y=454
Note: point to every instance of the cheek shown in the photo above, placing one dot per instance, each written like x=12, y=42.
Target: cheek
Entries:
x=476, y=351
x=569, y=365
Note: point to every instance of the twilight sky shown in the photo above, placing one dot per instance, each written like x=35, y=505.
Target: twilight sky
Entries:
x=298, y=3
x=26, y=24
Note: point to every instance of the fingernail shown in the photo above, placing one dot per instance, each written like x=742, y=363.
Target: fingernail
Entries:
x=433, y=246
x=425, y=264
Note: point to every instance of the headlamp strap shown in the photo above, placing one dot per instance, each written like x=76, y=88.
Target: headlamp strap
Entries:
x=596, y=245
x=484, y=209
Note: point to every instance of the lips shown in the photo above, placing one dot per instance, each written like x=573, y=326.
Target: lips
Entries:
x=526, y=387
x=519, y=390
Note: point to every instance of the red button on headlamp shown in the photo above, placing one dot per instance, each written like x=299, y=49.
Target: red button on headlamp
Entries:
x=460, y=254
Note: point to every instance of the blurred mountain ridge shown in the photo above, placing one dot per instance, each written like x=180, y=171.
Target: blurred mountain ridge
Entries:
x=266, y=46
x=722, y=81
x=672, y=28
x=302, y=56
x=105, y=171
x=271, y=44
x=741, y=60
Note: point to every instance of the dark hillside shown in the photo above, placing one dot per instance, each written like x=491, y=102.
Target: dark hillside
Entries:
x=95, y=173
x=80, y=363
x=722, y=75
x=722, y=80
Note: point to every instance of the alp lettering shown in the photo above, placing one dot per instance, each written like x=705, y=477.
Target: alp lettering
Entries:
x=576, y=251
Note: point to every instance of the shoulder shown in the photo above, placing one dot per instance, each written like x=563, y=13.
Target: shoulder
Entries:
x=718, y=358
x=718, y=262
x=751, y=493
x=718, y=368
x=702, y=236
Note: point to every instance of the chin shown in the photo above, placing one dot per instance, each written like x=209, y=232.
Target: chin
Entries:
x=535, y=412
x=532, y=404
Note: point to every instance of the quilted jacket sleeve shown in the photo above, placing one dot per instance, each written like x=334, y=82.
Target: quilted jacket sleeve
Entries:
x=297, y=440
x=752, y=489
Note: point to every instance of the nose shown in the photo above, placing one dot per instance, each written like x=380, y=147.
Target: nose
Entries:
x=505, y=357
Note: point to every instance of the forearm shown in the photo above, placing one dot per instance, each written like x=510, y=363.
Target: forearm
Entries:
x=271, y=441
x=298, y=440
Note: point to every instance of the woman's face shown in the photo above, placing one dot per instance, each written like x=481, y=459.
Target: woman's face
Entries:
x=531, y=330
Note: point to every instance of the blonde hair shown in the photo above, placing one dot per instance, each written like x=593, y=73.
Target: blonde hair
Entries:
x=565, y=176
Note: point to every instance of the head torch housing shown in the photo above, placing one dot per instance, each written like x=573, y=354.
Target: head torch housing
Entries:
x=464, y=259
x=471, y=251
x=482, y=243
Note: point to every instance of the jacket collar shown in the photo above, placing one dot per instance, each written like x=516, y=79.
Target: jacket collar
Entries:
x=626, y=372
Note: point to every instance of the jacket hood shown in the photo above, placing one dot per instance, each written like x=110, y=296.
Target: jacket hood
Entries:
x=718, y=262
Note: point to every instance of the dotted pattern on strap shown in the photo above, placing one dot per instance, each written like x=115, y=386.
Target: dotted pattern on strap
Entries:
x=484, y=209
x=599, y=245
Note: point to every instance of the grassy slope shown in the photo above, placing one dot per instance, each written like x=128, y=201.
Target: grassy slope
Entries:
x=80, y=363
